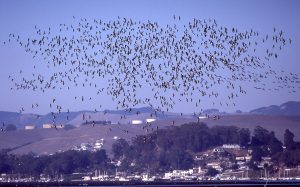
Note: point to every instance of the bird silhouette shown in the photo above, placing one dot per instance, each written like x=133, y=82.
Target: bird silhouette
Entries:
x=174, y=62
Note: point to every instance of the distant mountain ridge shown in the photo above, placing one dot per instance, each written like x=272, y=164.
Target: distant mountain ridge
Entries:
x=33, y=119
x=76, y=118
x=291, y=108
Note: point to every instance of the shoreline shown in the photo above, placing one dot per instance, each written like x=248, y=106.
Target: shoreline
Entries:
x=160, y=183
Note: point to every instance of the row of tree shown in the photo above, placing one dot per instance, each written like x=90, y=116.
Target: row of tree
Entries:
x=172, y=148
x=52, y=165
x=291, y=155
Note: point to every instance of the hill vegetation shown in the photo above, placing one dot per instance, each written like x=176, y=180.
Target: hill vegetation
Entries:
x=173, y=148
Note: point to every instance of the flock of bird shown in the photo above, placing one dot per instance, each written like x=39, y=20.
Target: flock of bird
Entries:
x=145, y=63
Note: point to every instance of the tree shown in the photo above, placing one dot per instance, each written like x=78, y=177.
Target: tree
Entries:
x=39, y=164
x=235, y=166
x=275, y=145
x=4, y=166
x=99, y=158
x=289, y=140
x=257, y=154
x=261, y=136
x=244, y=137
x=119, y=148
x=264, y=143
x=211, y=172
x=81, y=159
x=180, y=159
x=252, y=165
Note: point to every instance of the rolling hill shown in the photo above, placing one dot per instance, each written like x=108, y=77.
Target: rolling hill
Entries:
x=47, y=141
x=291, y=108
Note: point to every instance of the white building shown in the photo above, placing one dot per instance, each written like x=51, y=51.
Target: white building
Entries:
x=150, y=120
x=240, y=158
x=29, y=127
x=84, y=146
x=231, y=146
x=60, y=126
x=99, y=144
x=136, y=122
x=215, y=165
x=178, y=174
x=47, y=126
x=248, y=158
x=218, y=150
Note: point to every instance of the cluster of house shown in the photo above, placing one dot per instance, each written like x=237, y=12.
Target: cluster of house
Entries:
x=45, y=126
x=61, y=126
x=222, y=159
x=230, y=162
x=90, y=146
x=138, y=122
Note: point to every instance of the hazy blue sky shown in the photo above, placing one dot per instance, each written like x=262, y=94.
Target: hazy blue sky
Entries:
x=20, y=17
